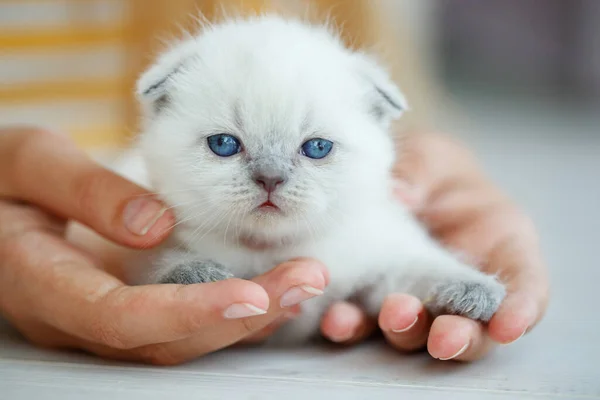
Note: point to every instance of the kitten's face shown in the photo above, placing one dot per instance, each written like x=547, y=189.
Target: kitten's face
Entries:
x=270, y=142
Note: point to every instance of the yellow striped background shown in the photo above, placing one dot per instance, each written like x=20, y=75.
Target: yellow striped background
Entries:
x=71, y=64
x=53, y=72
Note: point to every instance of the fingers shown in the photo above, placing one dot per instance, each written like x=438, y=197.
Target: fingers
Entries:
x=286, y=286
x=346, y=323
x=293, y=282
x=458, y=338
x=271, y=328
x=136, y=316
x=429, y=161
x=410, y=196
x=514, y=256
x=46, y=281
x=61, y=287
x=516, y=316
x=405, y=322
x=48, y=170
x=521, y=266
x=407, y=326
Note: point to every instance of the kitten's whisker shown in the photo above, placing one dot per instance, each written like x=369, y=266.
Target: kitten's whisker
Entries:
x=174, y=206
x=179, y=221
x=227, y=226
x=310, y=231
x=217, y=222
x=198, y=230
x=162, y=193
x=244, y=213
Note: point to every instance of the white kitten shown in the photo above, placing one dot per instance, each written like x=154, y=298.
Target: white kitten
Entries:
x=272, y=141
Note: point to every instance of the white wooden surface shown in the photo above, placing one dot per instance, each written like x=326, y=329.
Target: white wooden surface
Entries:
x=549, y=160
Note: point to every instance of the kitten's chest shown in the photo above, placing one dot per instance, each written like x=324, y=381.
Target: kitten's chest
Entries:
x=247, y=263
x=350, y=251
x=241, y=261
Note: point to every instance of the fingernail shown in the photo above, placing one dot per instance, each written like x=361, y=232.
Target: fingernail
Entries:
x=140, y=215
x=458, y=353
x=407, y=328
x=520, y=336
x=298, y=294
x=242, y=310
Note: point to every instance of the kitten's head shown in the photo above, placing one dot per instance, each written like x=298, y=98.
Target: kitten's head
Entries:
x=267, y=128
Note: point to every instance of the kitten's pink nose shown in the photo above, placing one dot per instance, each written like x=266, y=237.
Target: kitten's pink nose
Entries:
x=269, y=183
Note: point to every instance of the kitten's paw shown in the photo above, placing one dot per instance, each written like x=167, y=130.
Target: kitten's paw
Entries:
x=196, y=272
x=478, y=300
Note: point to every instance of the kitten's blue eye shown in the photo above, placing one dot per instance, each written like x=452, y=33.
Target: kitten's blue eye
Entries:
x=224, y=145
x=317, y=148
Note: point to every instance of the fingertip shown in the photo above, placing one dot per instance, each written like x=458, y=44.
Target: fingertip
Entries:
x=224, y=293
x=514, y=318
x=144, y=222
x=343, y=322
x=310, y=263
x=244, y=291
x=399, y=313
x=294, y=281
x=160, y=230
x=451, y=336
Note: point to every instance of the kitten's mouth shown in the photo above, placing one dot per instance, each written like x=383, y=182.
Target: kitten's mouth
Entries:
x=268, y=206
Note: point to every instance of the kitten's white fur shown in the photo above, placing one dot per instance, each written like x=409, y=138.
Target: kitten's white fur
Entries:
x=274, y=83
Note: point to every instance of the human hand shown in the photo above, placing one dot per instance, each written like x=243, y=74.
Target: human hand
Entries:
x=59, y=295
x=466, y=212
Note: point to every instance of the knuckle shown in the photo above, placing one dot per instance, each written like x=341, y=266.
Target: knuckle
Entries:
x=105, y=329
x=19, y=255
x=248, y=326
x=31, y=140
x=108, y=335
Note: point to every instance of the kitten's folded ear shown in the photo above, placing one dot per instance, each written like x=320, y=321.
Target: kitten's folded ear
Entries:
x=385, y=100
x=154, y=84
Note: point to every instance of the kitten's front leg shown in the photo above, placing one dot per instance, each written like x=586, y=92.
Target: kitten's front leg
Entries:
x=186, y=269
x=444, y=284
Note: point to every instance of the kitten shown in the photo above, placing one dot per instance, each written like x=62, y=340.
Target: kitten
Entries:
x=272, y=140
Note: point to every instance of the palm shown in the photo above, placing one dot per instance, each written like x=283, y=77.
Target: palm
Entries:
x=467, y=213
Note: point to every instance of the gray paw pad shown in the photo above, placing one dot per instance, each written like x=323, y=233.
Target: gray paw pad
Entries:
x=196, y=272
x=474, y=300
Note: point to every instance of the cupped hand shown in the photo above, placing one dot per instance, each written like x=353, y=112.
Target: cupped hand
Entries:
x=58, y=295
x=442, y=183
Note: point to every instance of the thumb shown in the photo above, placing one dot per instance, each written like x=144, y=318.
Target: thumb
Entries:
x=430, y=165
x=412, y=176
x=49, y=171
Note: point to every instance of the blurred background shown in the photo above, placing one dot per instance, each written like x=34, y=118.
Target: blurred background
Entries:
x=71, y=64
x=518, y=80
